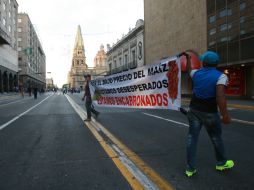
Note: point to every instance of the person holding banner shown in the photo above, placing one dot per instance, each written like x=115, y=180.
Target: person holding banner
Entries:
x=208, y=93
x=88, y=100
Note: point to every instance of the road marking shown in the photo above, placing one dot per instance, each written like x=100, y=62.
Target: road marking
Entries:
x=173, y=121
x=135, y=171
x=243, y=107
x=242, y=121
x=187, y=125
x=20, y=115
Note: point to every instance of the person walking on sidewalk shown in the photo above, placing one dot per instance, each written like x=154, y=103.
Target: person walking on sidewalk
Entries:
x=208, y=93
x=35, y=92
x=88, y=100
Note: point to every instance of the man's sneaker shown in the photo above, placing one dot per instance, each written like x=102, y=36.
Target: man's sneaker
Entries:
x=228, y=165
x=190, y=173
x=88, y=119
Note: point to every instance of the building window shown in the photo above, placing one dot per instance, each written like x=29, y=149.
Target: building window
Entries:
x=19, y=48
x=229, y=12
x=220, y=4
x=223, y=27
x=140, y=54
x=229, y=26
x=212, y=19
x=212, y=31
x=9, y=28
x=19, y=39
x=210, y=6
x=224, y=39
x=19, y=29
x=211, y=43
x=242, y=19
x=115, y=65
x=120, y=61
x=4, y=22
x=133, y=55
x=19, y=20
x=242, y=32
x=223, y=13
x=125, y=59
x=9, y=14
x=242, y=6
x=4, y=5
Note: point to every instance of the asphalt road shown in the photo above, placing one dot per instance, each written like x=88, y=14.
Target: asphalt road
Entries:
x=50, y=147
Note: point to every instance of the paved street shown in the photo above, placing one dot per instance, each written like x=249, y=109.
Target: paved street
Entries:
x=45, y=144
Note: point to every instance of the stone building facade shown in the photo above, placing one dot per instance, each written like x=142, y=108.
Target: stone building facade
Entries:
x=127, y=53
x=31, y=57
x=100, y=59
x=224, y=26
x=8, y=46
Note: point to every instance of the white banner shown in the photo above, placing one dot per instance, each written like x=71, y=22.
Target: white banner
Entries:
x=154, y=86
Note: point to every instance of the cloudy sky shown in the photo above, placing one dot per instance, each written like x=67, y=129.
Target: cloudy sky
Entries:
x=56, y=22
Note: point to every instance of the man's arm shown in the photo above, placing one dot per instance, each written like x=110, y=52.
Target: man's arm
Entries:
x=222, y=103
x=188, y=62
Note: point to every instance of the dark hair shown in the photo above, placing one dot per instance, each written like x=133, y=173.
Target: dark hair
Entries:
x=88, y=75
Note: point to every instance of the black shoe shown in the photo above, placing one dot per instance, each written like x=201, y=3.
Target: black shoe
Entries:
x=97, y=114
x=88, y=119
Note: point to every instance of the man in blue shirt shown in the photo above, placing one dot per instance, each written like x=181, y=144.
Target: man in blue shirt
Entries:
x=208, y=94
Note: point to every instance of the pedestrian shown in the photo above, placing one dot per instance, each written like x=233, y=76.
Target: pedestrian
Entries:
x=29, y=91
x=21, y=90
x=35, y=91
x=88, y=100
x=208, y=87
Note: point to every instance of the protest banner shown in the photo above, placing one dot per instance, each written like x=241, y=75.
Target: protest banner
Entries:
x=154, y=86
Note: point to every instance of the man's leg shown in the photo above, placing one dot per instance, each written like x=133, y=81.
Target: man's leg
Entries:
x=96, y=113
x=194, y=129
x=88, y=109
x=213, y=127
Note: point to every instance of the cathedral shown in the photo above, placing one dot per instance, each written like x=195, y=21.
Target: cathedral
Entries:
x=79, y=68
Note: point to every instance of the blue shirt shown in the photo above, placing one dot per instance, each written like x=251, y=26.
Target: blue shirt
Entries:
x=204, y=89
x=205, y=81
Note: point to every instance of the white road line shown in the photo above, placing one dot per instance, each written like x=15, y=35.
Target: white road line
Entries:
x=187, y=125
x=133, y=169
x=20, y=115
x=139, y=175
x=242, y=121
x=173, y=121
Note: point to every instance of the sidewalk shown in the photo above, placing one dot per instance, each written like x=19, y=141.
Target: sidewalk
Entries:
x=232, y=103
x=4, y=97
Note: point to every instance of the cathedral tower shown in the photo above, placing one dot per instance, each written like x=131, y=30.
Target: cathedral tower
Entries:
x=79, y=67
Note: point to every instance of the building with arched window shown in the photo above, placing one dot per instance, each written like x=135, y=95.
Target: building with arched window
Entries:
x=8, y=46
x=128, y=52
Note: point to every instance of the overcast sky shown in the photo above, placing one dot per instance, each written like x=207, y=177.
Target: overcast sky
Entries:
x=56, y=22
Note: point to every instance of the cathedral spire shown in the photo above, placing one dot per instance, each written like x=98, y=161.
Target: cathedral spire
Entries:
x=79, y=44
